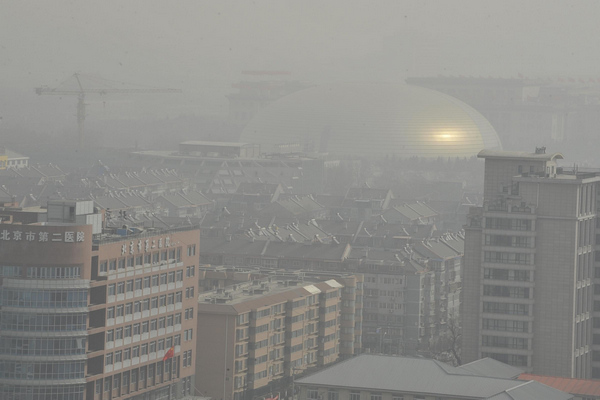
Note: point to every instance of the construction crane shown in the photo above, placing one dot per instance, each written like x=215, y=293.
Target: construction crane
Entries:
x=79, y=85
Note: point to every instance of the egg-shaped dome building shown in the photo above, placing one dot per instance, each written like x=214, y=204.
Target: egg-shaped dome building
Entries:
x=371, y=120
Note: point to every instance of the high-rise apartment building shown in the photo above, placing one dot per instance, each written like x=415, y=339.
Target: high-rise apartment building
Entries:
x=256, y=335
x=89, y=314
x=528, y=295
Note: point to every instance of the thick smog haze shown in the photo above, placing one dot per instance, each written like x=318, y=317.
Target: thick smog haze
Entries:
x=299, y=200
x=201, y=47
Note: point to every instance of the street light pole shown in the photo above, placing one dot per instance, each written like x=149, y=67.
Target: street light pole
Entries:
x=293, y=387
x=293, y=383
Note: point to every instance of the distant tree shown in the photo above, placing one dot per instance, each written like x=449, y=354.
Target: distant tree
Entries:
x=447, y=346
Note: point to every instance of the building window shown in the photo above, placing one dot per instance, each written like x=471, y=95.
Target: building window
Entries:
x=333, y=395
x=354, y=395
x=506, y=291
x=190, y=271
x=505, y=342
x=187, y=358
x=312, y=394
x=189, y=292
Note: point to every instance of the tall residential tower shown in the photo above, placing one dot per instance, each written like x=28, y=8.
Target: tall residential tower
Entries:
x=528, y=295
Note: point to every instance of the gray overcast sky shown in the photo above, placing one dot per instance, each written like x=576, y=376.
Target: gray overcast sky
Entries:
x=202, y=46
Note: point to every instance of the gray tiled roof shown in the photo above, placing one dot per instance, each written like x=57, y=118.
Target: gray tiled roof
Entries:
x=423, y=376
x=491, y=368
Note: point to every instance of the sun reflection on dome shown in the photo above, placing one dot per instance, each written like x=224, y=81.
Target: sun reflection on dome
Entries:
x=372, y=120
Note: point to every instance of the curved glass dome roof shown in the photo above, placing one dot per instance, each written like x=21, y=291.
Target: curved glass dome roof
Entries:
x=372, y=120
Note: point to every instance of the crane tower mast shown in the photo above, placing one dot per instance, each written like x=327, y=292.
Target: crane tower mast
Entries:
x=79, y=87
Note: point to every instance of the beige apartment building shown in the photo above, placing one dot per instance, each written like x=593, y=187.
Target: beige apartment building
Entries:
x=256, y=335
x=529, y=267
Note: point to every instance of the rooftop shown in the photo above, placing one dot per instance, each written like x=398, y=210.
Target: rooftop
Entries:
x=583, y=387
x=519, y=155
x=406, y=375
x=208, y=143
x=276, y=288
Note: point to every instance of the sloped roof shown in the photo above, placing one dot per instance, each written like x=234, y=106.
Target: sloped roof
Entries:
x=109, y=202
x=423, y=209
x=338, y=227
x=238, y=246
x=418, y=375
x=295, y=206
x=435, y=249
x=491, y=368
x=13, y=154
x=531, y=390
x=307, y=251
x=244, y=246
x=258, y=188
x=581, y=387
x=196, y=198
x=403, y=210
x=367, y=193
x=328, y=200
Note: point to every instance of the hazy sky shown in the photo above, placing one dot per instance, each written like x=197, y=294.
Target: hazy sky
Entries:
x=202, y=46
